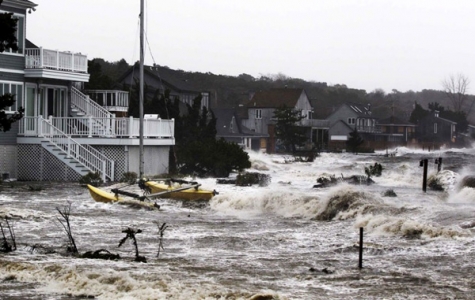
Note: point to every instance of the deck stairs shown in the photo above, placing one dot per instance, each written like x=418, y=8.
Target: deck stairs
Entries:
x=81, y=158
x=83, y=107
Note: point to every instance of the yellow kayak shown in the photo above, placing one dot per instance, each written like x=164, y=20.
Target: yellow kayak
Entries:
x=103, y=196
x=192, y=193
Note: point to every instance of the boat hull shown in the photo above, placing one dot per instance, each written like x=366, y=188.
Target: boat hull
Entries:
x=106, y=197
x=189, y=194
x=102, y=196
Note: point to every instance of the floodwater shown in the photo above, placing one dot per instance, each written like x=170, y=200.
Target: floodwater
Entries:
x=287, y=240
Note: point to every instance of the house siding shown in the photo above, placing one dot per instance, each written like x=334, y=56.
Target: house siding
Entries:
x=13, y=62
x=9, y=160
x=9, y=137
x=259, y=125
x=5, y=76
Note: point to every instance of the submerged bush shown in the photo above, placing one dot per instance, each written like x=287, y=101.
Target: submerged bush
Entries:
x=374, y=170
x=91, y=178
x=129, y=177
x=250, y=178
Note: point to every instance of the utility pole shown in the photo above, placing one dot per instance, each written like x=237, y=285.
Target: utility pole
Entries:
x=141, y=100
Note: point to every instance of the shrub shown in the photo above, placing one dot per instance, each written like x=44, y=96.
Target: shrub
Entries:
x=375, y=170
x=129, y=177
x=91, y=178
x=251, y=178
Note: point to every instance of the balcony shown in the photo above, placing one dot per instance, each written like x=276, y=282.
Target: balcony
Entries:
x=54, y=64
x=314, y=123
x=112, y=129
x=115, y=101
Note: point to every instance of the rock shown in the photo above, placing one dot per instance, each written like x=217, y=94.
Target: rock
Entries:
x=468, y=181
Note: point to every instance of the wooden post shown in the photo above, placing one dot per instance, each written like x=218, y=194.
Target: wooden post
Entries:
x=423, y=163
x=360, y=261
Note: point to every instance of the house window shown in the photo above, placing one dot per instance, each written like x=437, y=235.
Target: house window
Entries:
x=14, y=89
x=19, y=34
x=435, y=127
x=351, y=121
x=258, y=113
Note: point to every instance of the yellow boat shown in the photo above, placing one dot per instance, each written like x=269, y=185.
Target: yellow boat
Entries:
x=103, y=196
x=182, y=192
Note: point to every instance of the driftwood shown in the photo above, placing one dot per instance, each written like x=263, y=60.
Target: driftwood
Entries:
x=130, y=234
x=101, y=254
x=6, y=245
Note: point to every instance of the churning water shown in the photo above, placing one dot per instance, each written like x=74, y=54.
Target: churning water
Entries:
x=287, y=240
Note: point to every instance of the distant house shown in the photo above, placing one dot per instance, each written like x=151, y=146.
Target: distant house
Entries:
x=63, y=134
x=433, y=130
x=229, y=127
x=347, y=118
x=392, y=131
x=157, y=78
x=259, y=114
x=471, y=131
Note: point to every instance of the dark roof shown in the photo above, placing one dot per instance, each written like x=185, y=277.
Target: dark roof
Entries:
x=274, y=98
x=394, y=121
x=344, y=123
x=23, y=4
x=29, y=44
x=176, y=78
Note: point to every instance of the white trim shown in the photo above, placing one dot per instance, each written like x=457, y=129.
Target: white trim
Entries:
x=19, y=4
x=54, y=74
x=12, y=71
x=11, y=82
x=104, y=141
x=338, y=138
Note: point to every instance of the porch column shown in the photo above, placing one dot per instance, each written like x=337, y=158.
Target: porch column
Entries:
x=131, y=127
x=90, y=126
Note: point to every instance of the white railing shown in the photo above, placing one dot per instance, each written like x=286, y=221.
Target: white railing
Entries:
x=113, y=128
x=110, y=99
x=87, y=105
x=86, y=155
x=39, y=58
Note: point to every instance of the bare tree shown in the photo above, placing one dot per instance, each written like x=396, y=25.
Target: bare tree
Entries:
x=455, y=88
x=65, y=214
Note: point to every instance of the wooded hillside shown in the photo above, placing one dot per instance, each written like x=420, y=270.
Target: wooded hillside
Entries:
x=230, y=91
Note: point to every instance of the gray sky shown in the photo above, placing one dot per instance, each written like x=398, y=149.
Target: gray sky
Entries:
x=365, y=44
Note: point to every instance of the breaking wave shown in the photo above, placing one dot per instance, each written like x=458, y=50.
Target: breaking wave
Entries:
x=406, y=227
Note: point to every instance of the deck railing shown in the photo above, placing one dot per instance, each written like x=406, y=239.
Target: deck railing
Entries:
x=109, y=128
x=86, y=155
x=112, y=100
x=39, y=58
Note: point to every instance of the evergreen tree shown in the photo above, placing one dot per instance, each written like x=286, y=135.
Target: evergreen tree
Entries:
x=354, y=141
x=197, y=150
x=286, y=128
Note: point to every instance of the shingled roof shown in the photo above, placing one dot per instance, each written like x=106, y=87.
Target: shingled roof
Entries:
x=175, y=78
x=360, y=110
x=275, y=98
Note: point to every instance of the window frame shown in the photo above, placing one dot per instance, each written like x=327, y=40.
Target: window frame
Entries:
x=19, y=86
x=20, y=32
x=258, y=114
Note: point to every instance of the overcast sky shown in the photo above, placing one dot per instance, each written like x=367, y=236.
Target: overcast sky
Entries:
x=365, y=44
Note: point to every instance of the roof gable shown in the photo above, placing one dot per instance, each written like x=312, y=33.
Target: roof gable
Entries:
x=275, y=98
